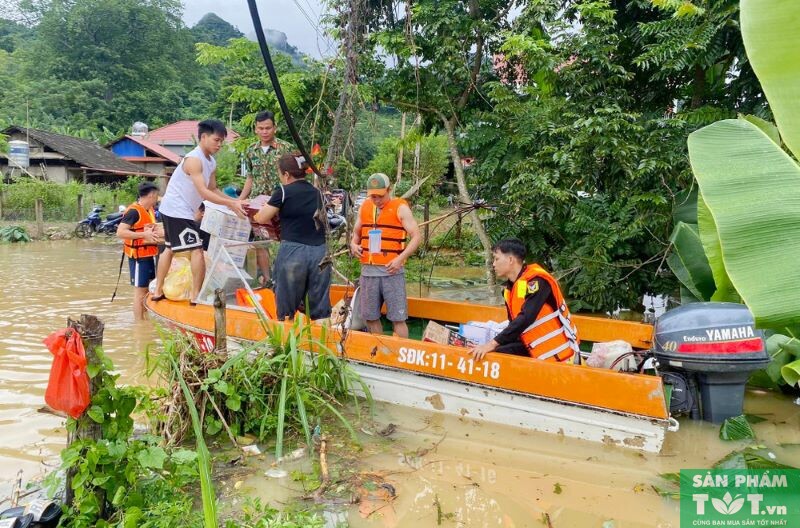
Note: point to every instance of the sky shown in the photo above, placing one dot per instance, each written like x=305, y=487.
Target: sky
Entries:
x=293, y=17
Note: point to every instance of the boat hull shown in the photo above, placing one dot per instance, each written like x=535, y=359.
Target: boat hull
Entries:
x=514, y=409
x=599, y=405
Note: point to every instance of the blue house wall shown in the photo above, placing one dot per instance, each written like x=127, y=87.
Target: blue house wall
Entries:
x=126, y=147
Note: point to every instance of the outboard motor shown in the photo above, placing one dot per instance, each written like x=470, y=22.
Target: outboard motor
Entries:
x=715, y=344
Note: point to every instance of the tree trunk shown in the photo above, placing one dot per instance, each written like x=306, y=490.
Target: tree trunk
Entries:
x=344, y=120
x=426, y=217
x=463, y=194
x=400, y=154
x=91, y=330
x=699, y=87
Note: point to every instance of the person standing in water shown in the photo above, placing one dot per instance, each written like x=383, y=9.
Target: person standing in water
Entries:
x=137, y=229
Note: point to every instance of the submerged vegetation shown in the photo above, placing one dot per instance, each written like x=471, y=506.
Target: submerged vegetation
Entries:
x=148, y=476
x=277, y=388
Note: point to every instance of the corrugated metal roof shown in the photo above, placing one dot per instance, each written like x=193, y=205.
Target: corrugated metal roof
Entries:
x=164, y=152
x=86, y=153
x=180, y=133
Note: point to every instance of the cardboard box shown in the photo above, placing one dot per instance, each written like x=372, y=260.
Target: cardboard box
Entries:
x=481, y=332
x=437, y=333
x=221, y=222
x=238, y=251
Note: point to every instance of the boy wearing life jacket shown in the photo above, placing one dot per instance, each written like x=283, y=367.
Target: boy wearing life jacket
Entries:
x=137, y=229
x=379, y=240
x=539, y=320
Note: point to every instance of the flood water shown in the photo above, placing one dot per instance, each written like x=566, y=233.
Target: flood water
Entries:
x=448, y=470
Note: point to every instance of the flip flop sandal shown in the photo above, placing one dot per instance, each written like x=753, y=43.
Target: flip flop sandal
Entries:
x=9, y=520
x=42, y=513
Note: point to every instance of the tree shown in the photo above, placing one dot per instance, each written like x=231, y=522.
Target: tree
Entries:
x=696, y=47
x=107, y=63
x=421, y=176
x=246, y=88
x=441, y=49
x=12, y=35
x=587, y=172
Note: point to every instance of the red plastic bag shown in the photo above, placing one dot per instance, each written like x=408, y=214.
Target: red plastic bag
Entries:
x=68, y=388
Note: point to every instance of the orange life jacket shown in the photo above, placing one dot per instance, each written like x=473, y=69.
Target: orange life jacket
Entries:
x=552, y=336
x=137, y=249
x=393, y=235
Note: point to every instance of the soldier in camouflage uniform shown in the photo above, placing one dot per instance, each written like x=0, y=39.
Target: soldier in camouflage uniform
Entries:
x=261, y=166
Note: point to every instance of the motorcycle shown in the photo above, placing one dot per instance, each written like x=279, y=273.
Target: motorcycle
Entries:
x=88, y=225
x=109, y=227
x=94, y=223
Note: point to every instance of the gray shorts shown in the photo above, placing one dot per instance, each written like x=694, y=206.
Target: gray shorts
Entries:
x=374, y=291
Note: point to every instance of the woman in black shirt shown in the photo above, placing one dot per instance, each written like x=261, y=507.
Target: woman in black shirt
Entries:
x=297, y=274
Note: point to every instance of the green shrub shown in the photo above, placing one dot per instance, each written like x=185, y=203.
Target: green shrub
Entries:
x=14, y=234
x=60, y=200
x=275, y=387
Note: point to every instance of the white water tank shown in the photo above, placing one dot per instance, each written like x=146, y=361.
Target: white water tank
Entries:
x=139, y=129
x=19, y=154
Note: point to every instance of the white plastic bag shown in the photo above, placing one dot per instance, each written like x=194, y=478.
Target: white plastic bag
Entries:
x=604, y=354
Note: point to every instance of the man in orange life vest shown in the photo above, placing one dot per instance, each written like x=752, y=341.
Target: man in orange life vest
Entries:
x=140, y=243
x=539, y=320
x=388, y=221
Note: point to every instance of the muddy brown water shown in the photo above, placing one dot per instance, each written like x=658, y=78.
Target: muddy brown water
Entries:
x=469, y=473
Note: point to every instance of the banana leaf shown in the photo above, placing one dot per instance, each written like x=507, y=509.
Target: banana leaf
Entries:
x=687, y=296
x=772, y=40
x=725, y=292
x=689, y=263
x=791, y=372
x=766, y=127
x=736, y=428
x=685, y=208
x=783, y=350
x=751, y=188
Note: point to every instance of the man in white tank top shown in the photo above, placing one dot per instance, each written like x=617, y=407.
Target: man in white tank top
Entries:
x=193, y=181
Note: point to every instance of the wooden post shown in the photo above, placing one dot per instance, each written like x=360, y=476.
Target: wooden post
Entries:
x=91, y=330
x=426, y=217
x=2, y=199
x=80, y=207
x=220, y=328
x=39, y=218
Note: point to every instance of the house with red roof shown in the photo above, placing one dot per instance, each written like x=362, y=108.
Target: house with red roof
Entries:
x=180, y=137
x=161, y=150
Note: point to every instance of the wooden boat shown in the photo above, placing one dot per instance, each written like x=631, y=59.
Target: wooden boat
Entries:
x=623, y=409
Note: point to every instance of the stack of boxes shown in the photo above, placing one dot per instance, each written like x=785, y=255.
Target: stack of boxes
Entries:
x=226, y=228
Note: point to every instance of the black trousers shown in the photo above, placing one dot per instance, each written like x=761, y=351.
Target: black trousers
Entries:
x=297, y=275
x=516, y=348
